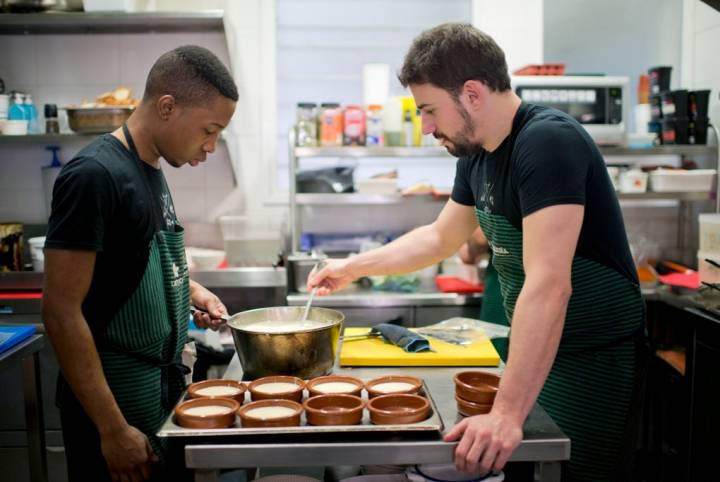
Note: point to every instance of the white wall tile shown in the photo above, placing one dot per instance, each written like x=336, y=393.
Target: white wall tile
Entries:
x=18, y=67
x=22, y=205
x=78, y=59
x=189, y=204
x=140, y=51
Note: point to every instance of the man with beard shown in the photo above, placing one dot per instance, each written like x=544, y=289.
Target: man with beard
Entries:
x=537, y=185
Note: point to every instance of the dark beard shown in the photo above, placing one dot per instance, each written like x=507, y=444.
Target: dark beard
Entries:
x=462, y=146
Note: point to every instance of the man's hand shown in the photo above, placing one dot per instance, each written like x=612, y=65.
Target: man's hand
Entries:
x=486, y=442
x=333, y=275
x=206, y=300
x=128, y=454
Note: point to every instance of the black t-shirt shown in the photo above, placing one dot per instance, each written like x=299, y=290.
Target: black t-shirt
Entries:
x=101, y=203
x=549, y=159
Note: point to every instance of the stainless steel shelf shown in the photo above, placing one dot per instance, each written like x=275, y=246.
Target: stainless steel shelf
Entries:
x=442, y=152
x=677, y=196
x=110, y=22
x=357, y=199
x=371, y=152
x=678, y=149
x=45, y=138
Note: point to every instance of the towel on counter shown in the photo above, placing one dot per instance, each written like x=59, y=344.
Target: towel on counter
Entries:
x=397, y=335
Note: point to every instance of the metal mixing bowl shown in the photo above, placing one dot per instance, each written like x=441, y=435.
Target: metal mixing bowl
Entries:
x=302, y=353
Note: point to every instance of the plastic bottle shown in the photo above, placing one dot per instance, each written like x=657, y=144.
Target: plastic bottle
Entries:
x=409, y=129
x=374, y=126
x=32, y=115
x=17, y=109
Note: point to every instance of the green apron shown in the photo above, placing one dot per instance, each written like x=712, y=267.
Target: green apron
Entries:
x=492, y=309
x=589, y=390
x=141, y=347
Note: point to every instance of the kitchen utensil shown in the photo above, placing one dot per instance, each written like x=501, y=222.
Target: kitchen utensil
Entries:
x=304, y=353
x=194, y=309
x=300, y=267
x=307, y=305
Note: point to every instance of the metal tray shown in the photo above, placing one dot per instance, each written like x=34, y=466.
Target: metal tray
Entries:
x=433, y=423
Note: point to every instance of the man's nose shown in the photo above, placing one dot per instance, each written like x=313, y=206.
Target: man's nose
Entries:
x=428, y=127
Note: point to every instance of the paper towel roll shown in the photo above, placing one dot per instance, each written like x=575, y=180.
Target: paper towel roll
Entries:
x=376, y=83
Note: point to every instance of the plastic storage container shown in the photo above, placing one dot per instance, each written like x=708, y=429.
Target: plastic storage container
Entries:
x=250, y=240
x=708, y=272
x=633, y=181
x=709, y=232
x=671, y=180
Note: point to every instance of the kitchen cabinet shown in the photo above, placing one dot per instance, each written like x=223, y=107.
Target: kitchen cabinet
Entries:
x=681, y=410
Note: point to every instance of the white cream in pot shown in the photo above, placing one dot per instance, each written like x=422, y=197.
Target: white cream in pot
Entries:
x=270, y=412
x=335, y=387
x=276, y=387
x=272, y=326
x=208, y=410
x=218, y=391
x=392, y=387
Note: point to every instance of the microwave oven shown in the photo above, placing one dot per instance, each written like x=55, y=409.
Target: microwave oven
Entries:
x=601, y=104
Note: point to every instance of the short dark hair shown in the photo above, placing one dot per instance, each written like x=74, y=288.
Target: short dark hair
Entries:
x=452, y=53
x=191, y=74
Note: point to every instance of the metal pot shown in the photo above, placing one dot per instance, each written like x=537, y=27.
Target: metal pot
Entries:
x=302, y=353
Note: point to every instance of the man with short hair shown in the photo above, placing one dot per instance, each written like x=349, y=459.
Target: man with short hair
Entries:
x=537, y=185
x=117, y=294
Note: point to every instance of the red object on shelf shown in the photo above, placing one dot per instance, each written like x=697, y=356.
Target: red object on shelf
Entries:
x=690, y=279
x=21, y=296
x=541, y=69
x=453, y=284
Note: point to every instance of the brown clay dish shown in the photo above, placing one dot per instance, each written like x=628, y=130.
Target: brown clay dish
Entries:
x=217, y=420
x=374, y=392
x=477, y=386
x=357, y=391
x=398, y=409
x=334, y=410
x=290, y=420
x=468, y=408
x=195, y=389
x=295, y=394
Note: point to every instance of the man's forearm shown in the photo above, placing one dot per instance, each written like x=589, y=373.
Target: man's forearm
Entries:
x=419, y=248
x=537, y=326
x=81, y=367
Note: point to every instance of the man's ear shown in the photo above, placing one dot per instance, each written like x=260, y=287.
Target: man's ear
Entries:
x=475, y=93
x=166, y=106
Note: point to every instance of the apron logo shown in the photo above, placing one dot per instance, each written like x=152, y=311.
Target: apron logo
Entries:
x=178, y=277
x=498, y=250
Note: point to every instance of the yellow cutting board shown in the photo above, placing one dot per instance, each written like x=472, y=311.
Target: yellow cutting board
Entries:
x=376, y=352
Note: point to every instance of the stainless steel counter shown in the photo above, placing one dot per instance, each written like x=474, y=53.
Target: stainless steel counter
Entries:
x=543, y=442
x=426, y=295
x=243, y=277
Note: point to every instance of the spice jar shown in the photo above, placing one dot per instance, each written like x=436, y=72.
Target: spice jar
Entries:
x=52, y=126
x=331, y=124
x=354, y=126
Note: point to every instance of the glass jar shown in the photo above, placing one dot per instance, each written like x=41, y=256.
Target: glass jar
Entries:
x=331, y=124
x=306, y=124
